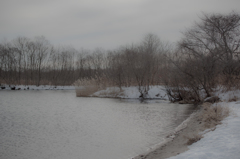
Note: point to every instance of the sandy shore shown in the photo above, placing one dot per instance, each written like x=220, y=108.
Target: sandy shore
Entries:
x=178, y=142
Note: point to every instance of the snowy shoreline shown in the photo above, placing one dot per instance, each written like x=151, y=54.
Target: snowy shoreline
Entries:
x=34, y=87
x=155, y=92
x=220, y=142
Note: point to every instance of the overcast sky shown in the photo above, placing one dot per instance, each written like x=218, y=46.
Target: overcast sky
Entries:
x=104, y=23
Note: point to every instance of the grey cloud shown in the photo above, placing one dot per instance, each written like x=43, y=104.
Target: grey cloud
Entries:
x=104, y=23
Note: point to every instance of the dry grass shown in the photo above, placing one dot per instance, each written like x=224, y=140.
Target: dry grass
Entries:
x=86, y=82
x=208, y=118
x=212, y=115
x=194, y=139
x=87, y=87
x=86, y=91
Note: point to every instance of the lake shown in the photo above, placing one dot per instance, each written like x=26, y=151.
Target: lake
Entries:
x=58, y=125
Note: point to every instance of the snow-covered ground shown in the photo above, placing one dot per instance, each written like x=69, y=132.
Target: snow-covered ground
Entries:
x=34, y=87
x=155, y=92
x=224, y=141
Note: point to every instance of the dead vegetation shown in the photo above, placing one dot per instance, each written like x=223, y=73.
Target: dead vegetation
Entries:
x=86, y=91
x=208, y=118
x=212, y=115
x=86, y=87
x=207, y=57
x=194, y=139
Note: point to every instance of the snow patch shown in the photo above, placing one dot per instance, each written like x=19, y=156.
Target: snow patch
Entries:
x=155, y=92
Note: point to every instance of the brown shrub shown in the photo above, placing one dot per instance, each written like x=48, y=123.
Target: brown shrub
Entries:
x=86, y=91
x=213, y=115
x=86, y=87
x=195, y=138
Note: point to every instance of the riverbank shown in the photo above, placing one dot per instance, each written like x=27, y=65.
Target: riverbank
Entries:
x=34, y=87
x=220, y=141
x=176, y=143
x=155, y=92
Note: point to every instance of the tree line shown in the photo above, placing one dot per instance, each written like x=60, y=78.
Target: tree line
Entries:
x=25, y=61
x=205, y=58
x=35, y=61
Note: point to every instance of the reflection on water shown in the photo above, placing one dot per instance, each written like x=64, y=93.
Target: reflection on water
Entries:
x=58, y=125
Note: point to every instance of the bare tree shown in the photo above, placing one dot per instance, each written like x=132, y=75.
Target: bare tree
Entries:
x=43, y=49
x=21, y=44
x=207, y=52
x=217, y=36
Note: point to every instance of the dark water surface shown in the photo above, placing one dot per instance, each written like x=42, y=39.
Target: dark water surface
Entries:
x=59, y=125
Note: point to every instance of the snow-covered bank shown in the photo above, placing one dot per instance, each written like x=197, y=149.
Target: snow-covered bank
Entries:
x=155, y=92
x=221, y=142
x=34, y=87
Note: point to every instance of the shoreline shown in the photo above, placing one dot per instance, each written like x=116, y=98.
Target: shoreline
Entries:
x=176, y=142
x=35, y=87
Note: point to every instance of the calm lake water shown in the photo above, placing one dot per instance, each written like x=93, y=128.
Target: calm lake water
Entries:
x=59, y=125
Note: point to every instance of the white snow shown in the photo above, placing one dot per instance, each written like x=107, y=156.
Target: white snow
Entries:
x=155, y=92
x=224, y=141
x=225, y=96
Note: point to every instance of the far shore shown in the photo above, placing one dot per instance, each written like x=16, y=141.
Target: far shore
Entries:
x=35, y=87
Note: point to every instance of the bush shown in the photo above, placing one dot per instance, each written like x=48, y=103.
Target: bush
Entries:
x=86, y=87
x=213, y=114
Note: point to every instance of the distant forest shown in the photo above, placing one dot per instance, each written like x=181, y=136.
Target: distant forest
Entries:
x=206, y=57
x=36, y=62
